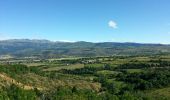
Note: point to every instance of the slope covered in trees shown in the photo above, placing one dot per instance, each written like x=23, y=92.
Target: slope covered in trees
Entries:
x=48, y=49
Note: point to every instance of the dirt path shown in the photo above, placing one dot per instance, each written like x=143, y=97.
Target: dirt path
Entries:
x=19, y=84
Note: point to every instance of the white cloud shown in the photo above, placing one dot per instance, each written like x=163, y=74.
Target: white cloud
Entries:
x=112, y=24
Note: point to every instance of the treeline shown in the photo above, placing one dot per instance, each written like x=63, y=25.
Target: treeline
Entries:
x=19, y=69
x=134, y=66
x=146, y=80
x=13, y=70
x=80, y=71
x=87, y=70
x=151, y=64
x=115, y=91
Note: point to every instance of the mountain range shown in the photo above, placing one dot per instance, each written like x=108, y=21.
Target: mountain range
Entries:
x=50, y=49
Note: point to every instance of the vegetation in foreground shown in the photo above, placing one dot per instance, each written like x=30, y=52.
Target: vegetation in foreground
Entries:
x=96, y=78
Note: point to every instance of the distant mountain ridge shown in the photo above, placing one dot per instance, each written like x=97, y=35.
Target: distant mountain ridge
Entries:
x=50, y=49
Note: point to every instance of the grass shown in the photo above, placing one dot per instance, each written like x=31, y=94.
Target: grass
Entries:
x=95, y=65
x=134, y=70
x=65, y=80
x=107, y=72
x=141, y=59
x=157, y=93
x=33, y=64
x=70, y=67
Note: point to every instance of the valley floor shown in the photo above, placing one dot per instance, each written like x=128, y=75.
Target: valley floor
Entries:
x=95, y=78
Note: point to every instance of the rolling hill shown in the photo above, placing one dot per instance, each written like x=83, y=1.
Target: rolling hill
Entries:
x=49, y=49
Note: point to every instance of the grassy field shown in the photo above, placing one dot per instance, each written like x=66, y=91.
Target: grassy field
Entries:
x=33, y=64
x=70, y=67
x=95, y=65
x=107, y=72
x=134, y=70
x=159, y=94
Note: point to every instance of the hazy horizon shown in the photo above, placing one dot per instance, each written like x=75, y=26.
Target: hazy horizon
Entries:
x=85, y=41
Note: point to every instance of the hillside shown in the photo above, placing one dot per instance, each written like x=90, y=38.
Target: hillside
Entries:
x=49, y=49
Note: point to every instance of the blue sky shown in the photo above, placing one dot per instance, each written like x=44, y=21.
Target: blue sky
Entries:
x=144, y=21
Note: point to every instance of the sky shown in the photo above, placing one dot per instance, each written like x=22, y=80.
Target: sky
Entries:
x=141, y=21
